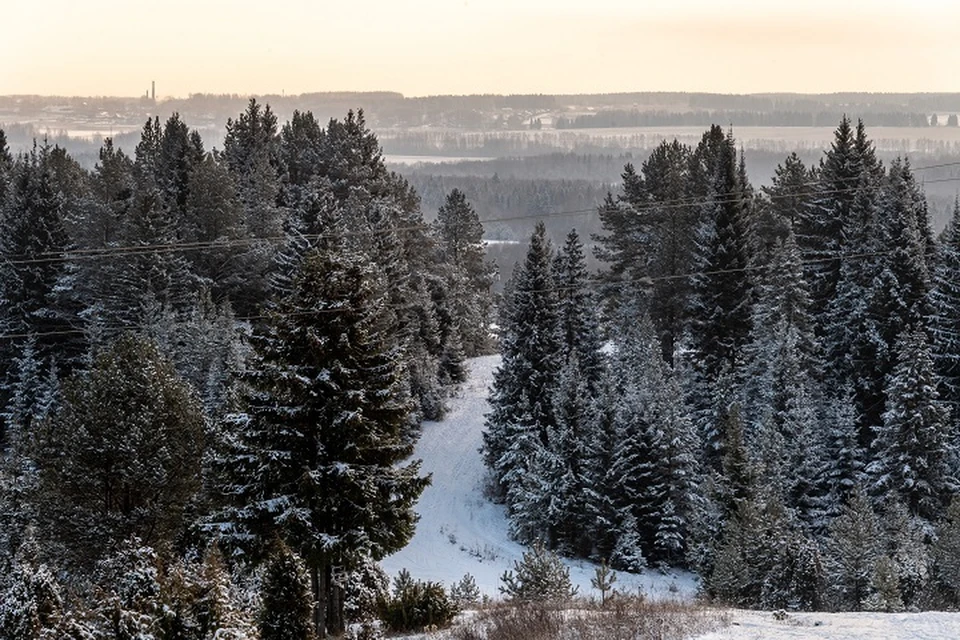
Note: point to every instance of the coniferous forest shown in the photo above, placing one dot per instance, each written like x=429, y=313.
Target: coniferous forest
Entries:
x=760, y=385
x=214, y=365
x=214, y=361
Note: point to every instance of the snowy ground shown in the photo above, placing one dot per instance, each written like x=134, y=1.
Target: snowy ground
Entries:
x=460, y=531
x=757, y=625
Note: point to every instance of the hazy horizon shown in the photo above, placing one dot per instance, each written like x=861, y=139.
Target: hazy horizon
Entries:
x=442, y=47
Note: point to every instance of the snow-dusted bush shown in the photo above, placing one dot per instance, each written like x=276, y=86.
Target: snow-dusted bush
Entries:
x=539, y=576
x=416, y=605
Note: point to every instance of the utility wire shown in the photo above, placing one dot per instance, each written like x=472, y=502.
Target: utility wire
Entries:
x=137, y=250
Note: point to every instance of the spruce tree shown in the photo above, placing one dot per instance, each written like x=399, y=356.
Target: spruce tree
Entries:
x=522, y=396
x=944, y=305
x=323, y=426
x=286, y=609
x=916, y=454
x=460, y=240
x=33, y=239
x=578, y=322
x=854, y=549
x=820, y=232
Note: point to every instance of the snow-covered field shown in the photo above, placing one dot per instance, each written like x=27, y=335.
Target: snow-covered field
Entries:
x=758, y=625
x=460, y=531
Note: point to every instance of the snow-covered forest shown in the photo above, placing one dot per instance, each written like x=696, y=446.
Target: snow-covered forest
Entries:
x=214, y=361
x=758, y=386
x=215, y=364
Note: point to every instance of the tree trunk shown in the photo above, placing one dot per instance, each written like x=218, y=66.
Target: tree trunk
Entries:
x=336, y=623
x=318, y=581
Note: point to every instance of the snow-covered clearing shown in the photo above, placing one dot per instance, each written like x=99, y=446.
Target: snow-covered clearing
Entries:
x=758, y=625
x=460, y=531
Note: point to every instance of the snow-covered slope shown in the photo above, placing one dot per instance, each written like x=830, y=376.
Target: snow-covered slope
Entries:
x=460, y=531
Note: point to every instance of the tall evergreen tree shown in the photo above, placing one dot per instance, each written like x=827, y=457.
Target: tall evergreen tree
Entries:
x=723, y=289
x=579, y=325
x=460, y=239
x=944, y=306
x=323, y=427
x=523, y=386
x=820, y=233
x=916, y=454
x=33, y=240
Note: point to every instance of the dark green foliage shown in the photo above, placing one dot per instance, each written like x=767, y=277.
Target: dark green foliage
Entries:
x=603, y=580
x=854, y=547
x=945, y=553
x=121, y=456
x=913, y=447
x=286, y=608
x=416, y=605
x=460, y=239
x=540, y=576
x=465, y=592
x=323, y=428
x=522, y=410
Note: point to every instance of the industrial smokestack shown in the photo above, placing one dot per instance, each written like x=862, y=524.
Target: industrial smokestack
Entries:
x=153, y=90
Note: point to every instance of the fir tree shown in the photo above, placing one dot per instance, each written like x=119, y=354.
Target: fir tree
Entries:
x=578, y=322
x=944, y=306
x=820, y=232
x=460, y=239
x=324, y=424
x=522, y=395
x=286, y=610
x=854, y=549
x=916, y=456
x=121, y=456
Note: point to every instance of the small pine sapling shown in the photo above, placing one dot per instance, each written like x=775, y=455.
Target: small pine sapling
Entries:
x=603, y=580
x=465, y=592
x=540, y=576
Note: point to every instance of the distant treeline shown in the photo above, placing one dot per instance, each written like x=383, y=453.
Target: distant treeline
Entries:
x=386, y=109
x=638, y=118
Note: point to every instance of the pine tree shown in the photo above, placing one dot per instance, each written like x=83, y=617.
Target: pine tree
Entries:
x=916, y=456
x=540, y=576
x=522, y=396
x=121, y=456
x=286, y=610
x=324, y=423
x=603, y=580
x=651, y=236
x=854, y=549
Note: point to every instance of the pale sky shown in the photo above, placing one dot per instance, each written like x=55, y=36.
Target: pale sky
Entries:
x=420, y=47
